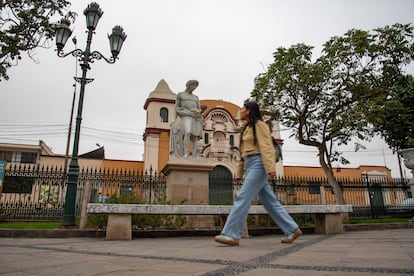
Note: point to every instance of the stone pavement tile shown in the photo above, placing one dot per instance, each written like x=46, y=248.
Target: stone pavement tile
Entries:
x=294, y=272
x=352, y=253
x=179, y=269
x=377, y=251
x=22, y=260
x=92, y=266
x=382, y=249
x=184, y=247
x=67, y=263
x=311, y=258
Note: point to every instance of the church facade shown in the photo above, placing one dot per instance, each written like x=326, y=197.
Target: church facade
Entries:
x=220, y=141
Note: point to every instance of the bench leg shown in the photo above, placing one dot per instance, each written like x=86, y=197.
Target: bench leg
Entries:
x=328, y=224
x=119, y=227
x=245, y=232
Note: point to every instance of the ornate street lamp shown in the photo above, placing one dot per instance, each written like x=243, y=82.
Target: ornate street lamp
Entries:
x=92, y=13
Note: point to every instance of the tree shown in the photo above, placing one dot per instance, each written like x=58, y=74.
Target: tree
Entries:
x=26, y=25
x=326, y=102
x=393, y=117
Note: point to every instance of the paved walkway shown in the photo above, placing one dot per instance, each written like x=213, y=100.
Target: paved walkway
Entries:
x=382, y=252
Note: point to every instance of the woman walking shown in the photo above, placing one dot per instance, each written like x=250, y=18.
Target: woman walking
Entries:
x=258, y=154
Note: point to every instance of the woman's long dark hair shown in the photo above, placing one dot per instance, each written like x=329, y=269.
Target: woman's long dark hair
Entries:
x=254, y=116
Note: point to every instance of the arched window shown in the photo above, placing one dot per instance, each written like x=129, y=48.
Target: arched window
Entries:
x=164, y=115
x=206, y=138
x=231, y=140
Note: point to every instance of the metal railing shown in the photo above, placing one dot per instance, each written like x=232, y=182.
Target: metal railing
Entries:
x=38, y=193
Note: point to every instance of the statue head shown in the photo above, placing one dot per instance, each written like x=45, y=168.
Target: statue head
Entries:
x=190, y=82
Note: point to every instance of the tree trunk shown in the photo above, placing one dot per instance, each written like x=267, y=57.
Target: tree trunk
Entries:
x=331, y=180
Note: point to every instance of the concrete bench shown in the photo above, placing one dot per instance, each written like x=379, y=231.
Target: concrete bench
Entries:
x=327, y=217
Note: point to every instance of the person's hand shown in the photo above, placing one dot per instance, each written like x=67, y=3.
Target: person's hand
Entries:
x=272, y=175
x=238, y=180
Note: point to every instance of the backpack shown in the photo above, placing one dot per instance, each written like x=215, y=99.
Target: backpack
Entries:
x=278, y=150
x=276, y=146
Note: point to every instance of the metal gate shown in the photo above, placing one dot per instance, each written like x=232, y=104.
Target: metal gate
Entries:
x=220, y=186
x=376, y=200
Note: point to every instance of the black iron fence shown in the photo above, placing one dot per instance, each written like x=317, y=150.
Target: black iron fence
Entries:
x=375, y=197
x=38, y=193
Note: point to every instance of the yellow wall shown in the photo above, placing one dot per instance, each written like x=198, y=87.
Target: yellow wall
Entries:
x=124, y=165
x=59, y=161
x=164, y=149
x=351, y=173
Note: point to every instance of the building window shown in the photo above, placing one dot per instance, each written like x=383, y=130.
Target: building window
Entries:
x=314, y=188
x=206, y=138
x=18, y=184
x=16, y=157
x=231, y=140
x=24, y=157
x=28, y=157
x=164, y=115
x=6, y=155
x=291, y=189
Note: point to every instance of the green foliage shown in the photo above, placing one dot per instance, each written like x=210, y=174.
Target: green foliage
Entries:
x=138, y=221
x=123, y=199
x=328, y=101
x=31, y=225
x=266, y=220
x=98, y=221
x=382, y=220
x=393, y=117
x=158, y=221
x=25, y=26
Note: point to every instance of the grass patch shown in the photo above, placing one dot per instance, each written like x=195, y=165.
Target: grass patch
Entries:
x=381, y=220
x=30, y=225
x=55, y=225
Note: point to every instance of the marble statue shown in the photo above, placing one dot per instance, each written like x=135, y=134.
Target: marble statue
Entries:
x=188, y=124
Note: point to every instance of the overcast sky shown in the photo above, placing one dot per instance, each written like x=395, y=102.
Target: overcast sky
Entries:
x=224, y=44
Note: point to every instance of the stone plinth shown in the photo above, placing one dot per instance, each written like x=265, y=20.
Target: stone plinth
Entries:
x=408, y=155
x=328, y=224
x=188, y=183
x=119, y=227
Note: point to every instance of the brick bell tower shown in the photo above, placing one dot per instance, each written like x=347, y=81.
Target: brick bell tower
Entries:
x=160, y=108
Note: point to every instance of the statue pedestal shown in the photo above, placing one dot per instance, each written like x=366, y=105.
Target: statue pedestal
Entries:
x=408, y=155
x=188, y=183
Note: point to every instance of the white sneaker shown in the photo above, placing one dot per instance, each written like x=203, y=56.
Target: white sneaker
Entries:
x=290, y=238
x=226, y=240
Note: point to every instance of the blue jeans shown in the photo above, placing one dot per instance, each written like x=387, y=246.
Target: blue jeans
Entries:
x=256, y=183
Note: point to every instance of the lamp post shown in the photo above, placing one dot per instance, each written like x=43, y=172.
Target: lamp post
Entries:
x=92, y=13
